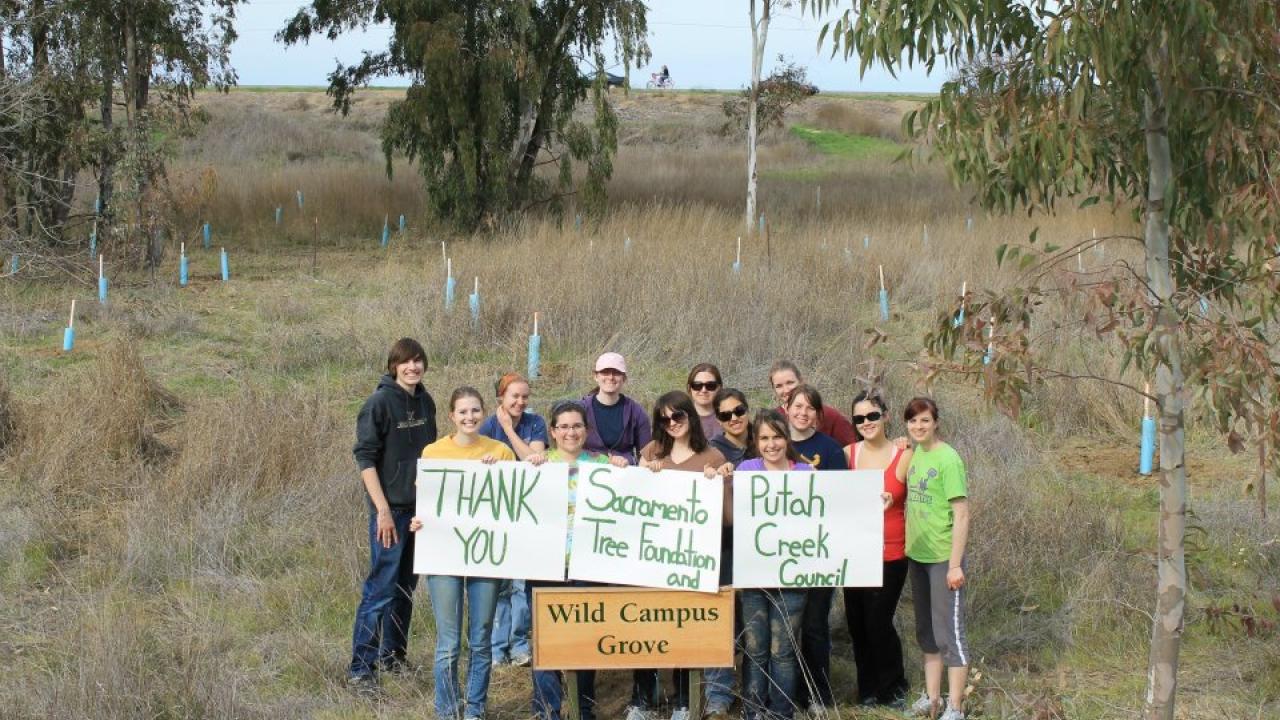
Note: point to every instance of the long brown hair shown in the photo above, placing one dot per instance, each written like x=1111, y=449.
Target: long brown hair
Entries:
x=677, y=400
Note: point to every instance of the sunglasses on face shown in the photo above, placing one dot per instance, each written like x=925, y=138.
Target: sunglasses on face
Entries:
x=869, y=417
x=728, y=415
x=709, y=386
x=675, y=418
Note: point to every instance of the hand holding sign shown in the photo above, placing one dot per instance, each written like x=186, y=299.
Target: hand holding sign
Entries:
x=471, y=511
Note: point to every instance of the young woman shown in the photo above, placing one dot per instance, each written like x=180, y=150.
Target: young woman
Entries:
x=937, y=533
x=526, y=434
x=466, y=411
x=678, y=444
x=804, y=410
x=569, y=431
x=877, y=650
x=784, y=376
x=618, y=425
x=393, y=427
x=734, y=440
x=704, y=380
x=771, y=618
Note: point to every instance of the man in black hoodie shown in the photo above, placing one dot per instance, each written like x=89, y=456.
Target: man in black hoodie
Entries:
x=396, y=422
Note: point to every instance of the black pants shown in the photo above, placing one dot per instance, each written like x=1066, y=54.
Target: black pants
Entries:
x=877, y=650
x=814, y=685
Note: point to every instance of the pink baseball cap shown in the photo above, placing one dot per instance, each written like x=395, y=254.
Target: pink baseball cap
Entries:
x=611, y=361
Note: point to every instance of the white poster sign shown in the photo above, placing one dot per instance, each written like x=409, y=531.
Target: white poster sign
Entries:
x=808, y=529
x=505, y=520
x=632, y=526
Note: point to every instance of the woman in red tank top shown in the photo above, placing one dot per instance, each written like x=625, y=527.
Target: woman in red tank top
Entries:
x=877, y=650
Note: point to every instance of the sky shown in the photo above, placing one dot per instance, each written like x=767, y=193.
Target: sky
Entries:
x=706, y=44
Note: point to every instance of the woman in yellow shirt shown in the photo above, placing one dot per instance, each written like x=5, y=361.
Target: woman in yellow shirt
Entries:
x=466, y=411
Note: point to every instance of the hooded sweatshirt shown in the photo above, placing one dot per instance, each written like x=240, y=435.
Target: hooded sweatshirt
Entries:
x=636, y=432
x=391, y=430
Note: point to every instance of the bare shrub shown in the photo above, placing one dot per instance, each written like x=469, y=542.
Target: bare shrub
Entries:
x=870, y=119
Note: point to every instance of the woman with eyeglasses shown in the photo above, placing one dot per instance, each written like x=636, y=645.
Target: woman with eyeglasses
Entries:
x=569, y=434
x=616, y=424
x=877, y=650
x=771, y=617
x=804, y=411
x=466, y=410
x=679, y=444
x=704, y=380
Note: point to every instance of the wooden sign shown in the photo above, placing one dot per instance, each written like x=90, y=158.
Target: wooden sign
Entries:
x=605, y=628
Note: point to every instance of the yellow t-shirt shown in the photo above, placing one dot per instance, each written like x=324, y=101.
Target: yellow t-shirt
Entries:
x=447, y=449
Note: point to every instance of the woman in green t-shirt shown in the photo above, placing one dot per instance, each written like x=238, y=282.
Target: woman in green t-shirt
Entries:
x=937, y=531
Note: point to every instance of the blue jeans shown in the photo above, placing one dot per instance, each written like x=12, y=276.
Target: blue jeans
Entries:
x=548, y=695
x=771, y=627
x=511, y=622
x=386, y=601
x=717, y=683
x=446, y=603
x=815, y=648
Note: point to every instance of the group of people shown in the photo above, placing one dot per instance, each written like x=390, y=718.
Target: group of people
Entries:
x=785, y=634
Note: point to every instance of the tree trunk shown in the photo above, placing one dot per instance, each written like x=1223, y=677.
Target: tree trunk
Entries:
x=107, y=156
x=759, y=35
x=1171, y=571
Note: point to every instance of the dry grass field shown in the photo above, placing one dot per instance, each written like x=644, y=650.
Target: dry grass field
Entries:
x=181, y=530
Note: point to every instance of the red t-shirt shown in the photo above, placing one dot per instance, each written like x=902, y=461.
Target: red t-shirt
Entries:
x=895, y=518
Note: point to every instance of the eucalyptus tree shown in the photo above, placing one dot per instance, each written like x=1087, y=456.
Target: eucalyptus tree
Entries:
x=489, y=116
x=1168, y=110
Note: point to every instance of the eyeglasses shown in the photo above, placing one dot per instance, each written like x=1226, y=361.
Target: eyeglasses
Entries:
x=709, y=386
x=573, y=426
x=675, y=418
x=869, y=417
x=728, y=415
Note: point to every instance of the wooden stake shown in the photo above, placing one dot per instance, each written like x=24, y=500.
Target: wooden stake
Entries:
x=1146, y=400
x=71, y=321
x=535, y=323
x=99, y=265
x=477, y=288
x=448, y=272
x=881, y=277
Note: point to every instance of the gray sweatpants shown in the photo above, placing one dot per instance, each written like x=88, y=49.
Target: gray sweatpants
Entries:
x=939, y=613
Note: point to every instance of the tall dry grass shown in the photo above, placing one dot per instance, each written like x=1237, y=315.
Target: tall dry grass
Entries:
x=181, y=529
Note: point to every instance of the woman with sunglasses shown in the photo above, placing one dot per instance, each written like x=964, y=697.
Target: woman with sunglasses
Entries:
x=937, y=535
x=569, y=433
x=678, y=444
x=617, y=425
x=877, y=650
x=804, y=411
x=704, y=380
x=736, y=443
x=526, y=434
x=466, y=410
x=771, y=618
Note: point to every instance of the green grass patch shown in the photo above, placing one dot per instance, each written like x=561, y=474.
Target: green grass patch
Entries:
x=836, y=144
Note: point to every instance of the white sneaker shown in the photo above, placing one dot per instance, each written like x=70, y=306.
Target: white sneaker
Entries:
x=680, y=714
x=636, y=713
x=817, y=711
x=951, y=713
x=922, y=707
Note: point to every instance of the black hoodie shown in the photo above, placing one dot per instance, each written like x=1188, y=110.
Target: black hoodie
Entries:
x=391, y=430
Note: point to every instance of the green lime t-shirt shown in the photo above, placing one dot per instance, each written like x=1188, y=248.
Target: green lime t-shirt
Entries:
x=934, y=479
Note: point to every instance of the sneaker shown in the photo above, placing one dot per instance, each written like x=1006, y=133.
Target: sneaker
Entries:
x=500, y=660
x=363, y=685
x=922, y=707
x=817, y=711
x=397, y=667
x=522, y=660
x=636, y=713
x=680, y=714
x=716, y=712
x=951, y=713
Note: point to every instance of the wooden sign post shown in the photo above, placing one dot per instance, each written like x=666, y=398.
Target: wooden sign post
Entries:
x=613, y=628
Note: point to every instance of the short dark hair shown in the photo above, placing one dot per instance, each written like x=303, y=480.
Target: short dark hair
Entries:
x=404, y=350
x=875, y=399
x=918, y=405
x=777, y=423
x=465, y=391
x=677, y=400
x=725, y=393
x=701, y=368
x=567, y=406
x=809, y=393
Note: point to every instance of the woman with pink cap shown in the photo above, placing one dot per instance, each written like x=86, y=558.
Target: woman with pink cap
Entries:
x=619, y=426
